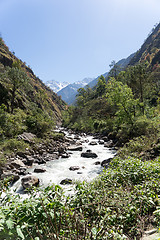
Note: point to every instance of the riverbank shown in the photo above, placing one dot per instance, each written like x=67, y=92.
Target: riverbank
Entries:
x=63, y=158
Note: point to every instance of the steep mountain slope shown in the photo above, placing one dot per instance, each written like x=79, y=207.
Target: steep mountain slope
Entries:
x=150, y=50
x=35, y=92
x=68, y=93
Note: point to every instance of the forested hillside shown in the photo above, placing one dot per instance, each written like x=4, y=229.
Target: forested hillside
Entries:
x=127, y=104
x=26, y=104
x=123, y=113
x=20, y=88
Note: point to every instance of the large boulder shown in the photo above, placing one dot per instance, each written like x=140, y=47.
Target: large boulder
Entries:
x=89, y=155
x=17, y=163
x=27, y=137
x=75, y=148
x=29, y=182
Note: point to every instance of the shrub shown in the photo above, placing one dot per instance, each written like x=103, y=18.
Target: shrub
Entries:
x=39, y=123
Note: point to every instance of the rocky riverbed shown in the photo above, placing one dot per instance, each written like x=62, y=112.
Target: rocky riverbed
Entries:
x=62, y=161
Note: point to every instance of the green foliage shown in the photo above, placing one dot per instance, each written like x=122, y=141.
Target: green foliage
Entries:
x=121, y=96
x=39, y=122
x=117, y=205
x=11, y=124
x=101, y=86
x=17, y=78
x=14, y=145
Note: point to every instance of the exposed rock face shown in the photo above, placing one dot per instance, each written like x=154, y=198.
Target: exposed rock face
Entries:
x=74, y=168
x=66, y=181
x=29, y=182
x=89, y=155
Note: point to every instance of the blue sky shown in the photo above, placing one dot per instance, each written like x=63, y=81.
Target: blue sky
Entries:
x=68, y=40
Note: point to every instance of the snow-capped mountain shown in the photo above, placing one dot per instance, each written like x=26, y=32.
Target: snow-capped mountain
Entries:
x=68, y=93
x=55, y=85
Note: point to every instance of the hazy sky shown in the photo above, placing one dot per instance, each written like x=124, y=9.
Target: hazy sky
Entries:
x=68, y=40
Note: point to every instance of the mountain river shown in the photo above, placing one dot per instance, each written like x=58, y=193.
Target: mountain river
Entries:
x=58, y=170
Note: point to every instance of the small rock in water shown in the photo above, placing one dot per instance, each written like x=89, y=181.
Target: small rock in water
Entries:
x=65, y=155
x=97, y=163
x=66, y=181
x=93, y=143
x=75, y=148
x=89, y=155
x=108, y=144
x=39, y=170
x=74, y=168
x=101, y=142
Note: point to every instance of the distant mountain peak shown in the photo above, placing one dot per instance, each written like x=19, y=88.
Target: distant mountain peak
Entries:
x=55, y=85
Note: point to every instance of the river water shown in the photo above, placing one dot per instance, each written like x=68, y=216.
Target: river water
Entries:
x=58, y=170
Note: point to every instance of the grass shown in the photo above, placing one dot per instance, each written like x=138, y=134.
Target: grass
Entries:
x=119, y=204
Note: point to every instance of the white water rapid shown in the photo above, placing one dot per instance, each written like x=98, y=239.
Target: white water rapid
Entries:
x=58, y=170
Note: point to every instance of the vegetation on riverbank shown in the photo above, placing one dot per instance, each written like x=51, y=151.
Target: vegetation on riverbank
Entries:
x=124, y=200
x=119, y=204
x=26, y=104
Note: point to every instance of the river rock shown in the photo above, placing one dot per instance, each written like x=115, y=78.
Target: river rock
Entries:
x=106, y=162
x=105, y=139
x=74, y=168
x=66, y=181
x=30, y=160
x=101, y=141
x=108, y=144
x=29, y=182
x=93, y=143
x=97, y=163
x=89, y=155
x=27, y=137
x=77, y=137
x=22, y=170
x=39, y=170
x=65, y=155
x=61, y=149
x=75, y=148
x=12, y=177
x=17, y=163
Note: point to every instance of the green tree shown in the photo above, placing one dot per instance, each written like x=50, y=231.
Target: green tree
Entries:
x=120, y=96
x=136, y=78
x=115, y=69
x=17, y=78
x=101, y=86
